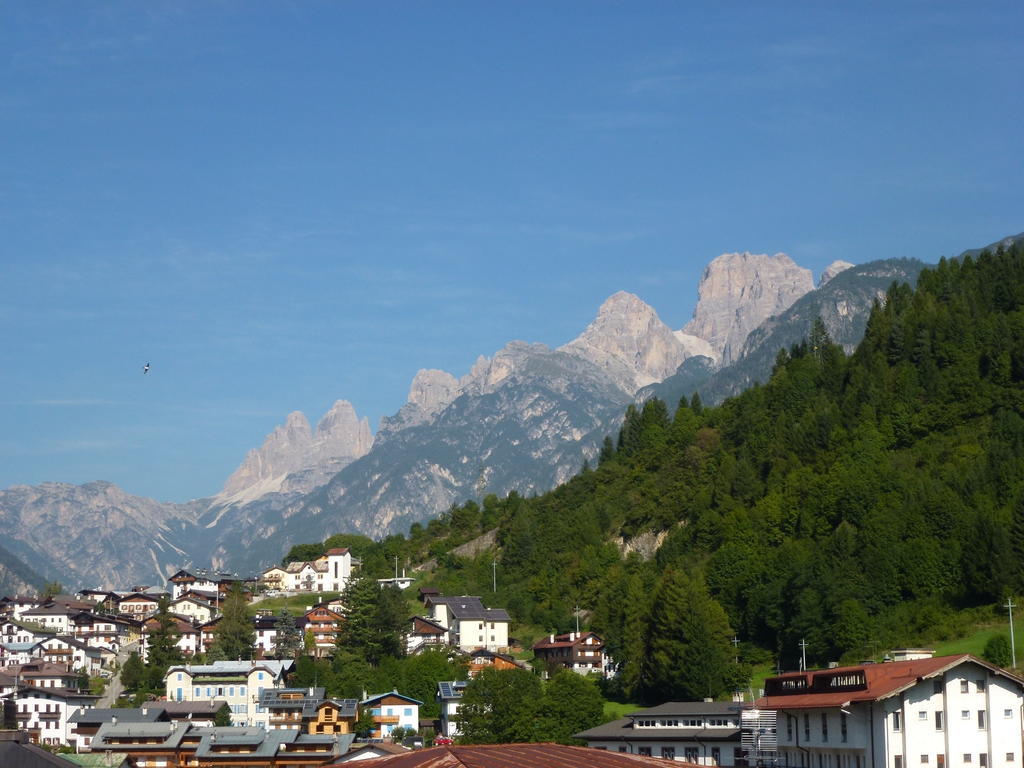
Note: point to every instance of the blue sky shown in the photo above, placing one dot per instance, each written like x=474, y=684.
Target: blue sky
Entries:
x=280, y=204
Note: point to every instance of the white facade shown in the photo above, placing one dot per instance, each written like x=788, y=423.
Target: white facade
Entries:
x=470, y=625
x=46, y=711
x=239, y=683
x=964, y=715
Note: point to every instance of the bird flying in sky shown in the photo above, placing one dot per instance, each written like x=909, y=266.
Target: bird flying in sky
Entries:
x=145, y=368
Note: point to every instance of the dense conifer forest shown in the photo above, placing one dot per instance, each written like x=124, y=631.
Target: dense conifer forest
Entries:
x=856, y=503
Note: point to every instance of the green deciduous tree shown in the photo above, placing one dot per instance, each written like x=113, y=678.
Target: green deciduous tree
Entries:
x=500, y=706
x=571, y=703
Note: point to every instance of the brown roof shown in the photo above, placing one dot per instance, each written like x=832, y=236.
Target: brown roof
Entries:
x=564, y=641
x=337, y=551
x=840, y=686
x=513, y=756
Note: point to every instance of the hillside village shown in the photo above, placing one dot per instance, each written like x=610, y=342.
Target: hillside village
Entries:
x=908, y=710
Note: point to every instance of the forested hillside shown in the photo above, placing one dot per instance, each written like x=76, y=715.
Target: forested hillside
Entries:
x=856, y=502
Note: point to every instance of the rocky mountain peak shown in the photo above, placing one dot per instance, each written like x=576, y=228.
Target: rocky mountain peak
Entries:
x=293, y=458
x=739, y=291
x=832, y=270
x=630, y=342
x=431, y=390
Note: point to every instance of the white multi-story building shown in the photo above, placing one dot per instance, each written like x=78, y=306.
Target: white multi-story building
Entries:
x=239, y=683
x=469, y=624
x=44, y=711
x=330, y=572
x=449, y=696
x=390, y=711
x=945, y=712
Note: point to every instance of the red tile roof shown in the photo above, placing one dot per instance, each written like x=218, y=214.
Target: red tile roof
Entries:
x=866, y=682
x=513, y=756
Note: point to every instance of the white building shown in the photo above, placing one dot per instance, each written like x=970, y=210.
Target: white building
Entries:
x=702, y=733
x=330, y=572
x=239, y=683
x=946, y=712
x=469, y=624
x=44, y=712
x=449, y=695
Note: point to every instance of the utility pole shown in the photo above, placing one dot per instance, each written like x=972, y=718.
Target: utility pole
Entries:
x=803, y=655
x=736, y=650
x=1010, y=605
x=494, y=575
x=577, y=620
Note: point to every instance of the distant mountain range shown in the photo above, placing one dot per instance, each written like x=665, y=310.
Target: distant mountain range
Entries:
x=525, y=419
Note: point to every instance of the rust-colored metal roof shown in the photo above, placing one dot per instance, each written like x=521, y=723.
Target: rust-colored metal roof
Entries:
x=878, y=681
x=512, y=756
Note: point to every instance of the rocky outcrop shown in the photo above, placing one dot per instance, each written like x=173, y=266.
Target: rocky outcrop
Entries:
x=431, y=390
x=632, y=345
x=294, y=458
x=739, y=291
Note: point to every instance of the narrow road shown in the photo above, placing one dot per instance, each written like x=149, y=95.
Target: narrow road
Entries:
x=114, y=687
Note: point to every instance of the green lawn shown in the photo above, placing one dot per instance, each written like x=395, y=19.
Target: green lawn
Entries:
x=613, y=710
x=296, y=604
x=975, y=643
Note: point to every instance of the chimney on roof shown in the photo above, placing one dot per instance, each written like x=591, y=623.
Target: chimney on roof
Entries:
x=551, y=638
x=572, y=637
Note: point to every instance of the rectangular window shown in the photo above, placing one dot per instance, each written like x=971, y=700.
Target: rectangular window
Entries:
x=938, y=721
x=789, y=727
x=643, y=751
x=842, y=727
x=936, y=686
x=716, y=755
x=922, y=715
x=983, y=759
x=980, y=685
x=965, y=687
x=940, y=761
x=897, y=721
x=668, y=753
x=965, y=714
x=1008, y=714
x=967, y=757
x=897, y=761
x=807, y=727
x=408, y=711
x=924, y=759
x=981, y=719
x=1009, y=757
x=824, y=727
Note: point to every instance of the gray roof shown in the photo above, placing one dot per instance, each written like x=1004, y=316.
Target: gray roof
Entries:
x=266, y=743
x=18, y=755
x=175, y=709
x=377, y=696
x=623, y=730
x=468, y=607
x=276, y=666
x=98, y=715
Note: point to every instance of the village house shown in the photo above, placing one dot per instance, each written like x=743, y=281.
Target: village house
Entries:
x=470, y=625
x=919, y=712
x=83, y=724
x=390, y=711
x=700, y=733
x=265, y=626
x=17, y=631
x=308, y=710
x=322, y=623
x=138, y=605
x=424, y=635
x=482, y=659
x=193, y=608
x=188, y=634
x=96, y=630
x=12, y=606
x=581, y=652
x=328, y=573
x=44, y=674
x=449, y=696
x=43, y=712
x=52, y=616
x=73, y=654
x=239, y=683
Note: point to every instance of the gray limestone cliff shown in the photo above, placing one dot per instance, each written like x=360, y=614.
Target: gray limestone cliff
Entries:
x=632, y=345
x=739, y=291
x=295, y=458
